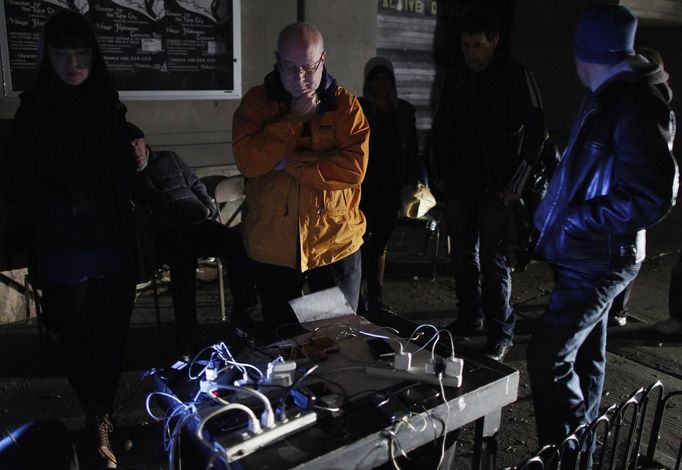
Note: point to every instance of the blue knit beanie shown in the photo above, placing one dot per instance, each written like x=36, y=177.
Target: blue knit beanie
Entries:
x=606, y=34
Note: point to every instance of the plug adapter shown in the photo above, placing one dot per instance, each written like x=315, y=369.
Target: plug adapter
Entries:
x=434, y=365
x=402, y=361
x=281, y=373
x=454, y=366
x=211, y=374
x=267, y=419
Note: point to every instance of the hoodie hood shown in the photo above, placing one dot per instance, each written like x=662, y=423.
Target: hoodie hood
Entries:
x=638, y=68
x=372, y=66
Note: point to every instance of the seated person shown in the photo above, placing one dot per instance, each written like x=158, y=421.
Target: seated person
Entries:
x=184, y=230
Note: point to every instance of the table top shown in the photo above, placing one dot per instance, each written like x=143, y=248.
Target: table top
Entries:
x=361, y=435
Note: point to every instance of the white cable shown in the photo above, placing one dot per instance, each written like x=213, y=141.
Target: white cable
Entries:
x=194, y=359
x=447, y=418
x=412, y=428
x=393, y=435
x=231, y=360
x=168, y=434
x=214, y=456
x=175, y=435
x=425, y=325
x=391, y=442
x=433, y=347
x=384, y=337
x=452, y=341
x=270, y=418
x=151, y=394
x=232, y=406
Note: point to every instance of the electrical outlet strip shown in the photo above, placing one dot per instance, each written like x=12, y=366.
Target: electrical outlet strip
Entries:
x=413, y=373
x=253, y=442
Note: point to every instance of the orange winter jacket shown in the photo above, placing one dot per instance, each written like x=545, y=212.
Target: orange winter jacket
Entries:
x=315, y=201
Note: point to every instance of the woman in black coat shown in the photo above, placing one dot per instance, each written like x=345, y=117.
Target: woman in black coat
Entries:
x=393, y=163
x=67, y=171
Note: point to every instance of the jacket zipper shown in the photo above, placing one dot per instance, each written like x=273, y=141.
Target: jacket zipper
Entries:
x=562, y=182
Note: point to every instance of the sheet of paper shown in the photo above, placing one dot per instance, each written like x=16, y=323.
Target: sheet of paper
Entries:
x=322, y=305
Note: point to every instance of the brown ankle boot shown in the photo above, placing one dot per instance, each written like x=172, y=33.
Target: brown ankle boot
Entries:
x=103, y=430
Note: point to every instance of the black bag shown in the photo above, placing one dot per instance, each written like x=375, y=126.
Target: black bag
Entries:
x=144, y=244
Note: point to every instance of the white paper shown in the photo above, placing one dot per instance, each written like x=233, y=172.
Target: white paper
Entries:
x=322, y=305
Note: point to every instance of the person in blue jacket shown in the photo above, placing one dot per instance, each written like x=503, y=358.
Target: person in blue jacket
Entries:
x=616, y=178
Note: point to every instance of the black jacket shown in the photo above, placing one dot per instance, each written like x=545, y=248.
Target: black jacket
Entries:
x=488, y=130
x=388, y=171
x=617, y=175
x=67, y=170
x=175, y=195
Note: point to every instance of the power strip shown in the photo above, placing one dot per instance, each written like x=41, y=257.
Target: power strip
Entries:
x=253, y=442
x=413, y=373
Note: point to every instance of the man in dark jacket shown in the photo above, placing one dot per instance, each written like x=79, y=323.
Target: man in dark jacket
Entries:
x=617, y=177
x=184, y=229
x=488, y=133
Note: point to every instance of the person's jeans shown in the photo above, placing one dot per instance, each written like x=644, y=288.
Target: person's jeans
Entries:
x=567, y=352
x=478, y=231
x=277, y=285
x=619, y=308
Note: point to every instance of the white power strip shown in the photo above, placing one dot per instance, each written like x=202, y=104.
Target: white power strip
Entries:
x=253, y=442
x=413, y=373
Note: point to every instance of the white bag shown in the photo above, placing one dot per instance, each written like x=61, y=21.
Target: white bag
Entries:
x=417, y=201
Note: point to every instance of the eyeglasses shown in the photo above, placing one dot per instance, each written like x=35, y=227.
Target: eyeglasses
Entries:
x=305, y=69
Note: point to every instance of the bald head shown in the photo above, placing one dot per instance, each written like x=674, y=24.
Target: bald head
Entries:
x=300, y=58
x=301, y=35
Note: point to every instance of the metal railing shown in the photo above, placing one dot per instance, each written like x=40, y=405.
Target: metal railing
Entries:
x=626, y=436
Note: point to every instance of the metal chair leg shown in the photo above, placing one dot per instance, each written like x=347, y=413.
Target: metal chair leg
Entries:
x=155, y=291
x=435, y=253
x=27, y=297
x=221, y=287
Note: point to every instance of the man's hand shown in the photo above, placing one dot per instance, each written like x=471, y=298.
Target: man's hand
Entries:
x=304, y=107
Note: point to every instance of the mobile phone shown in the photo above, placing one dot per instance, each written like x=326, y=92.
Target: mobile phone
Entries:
x=389, y=406
x=325, y=343
x=309, y=351
x=381, y=349
x=419, y=396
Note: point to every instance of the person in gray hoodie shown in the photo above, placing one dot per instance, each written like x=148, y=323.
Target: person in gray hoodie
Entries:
x=393, y=163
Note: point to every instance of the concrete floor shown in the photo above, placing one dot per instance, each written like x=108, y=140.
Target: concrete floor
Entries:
x=32, y=385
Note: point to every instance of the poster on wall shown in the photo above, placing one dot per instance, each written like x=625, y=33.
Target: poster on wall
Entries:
x=154, y=49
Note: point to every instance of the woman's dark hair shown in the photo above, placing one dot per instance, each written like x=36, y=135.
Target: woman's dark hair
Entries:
x=71, y=30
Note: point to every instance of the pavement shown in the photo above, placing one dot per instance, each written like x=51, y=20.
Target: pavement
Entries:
x=32, y=384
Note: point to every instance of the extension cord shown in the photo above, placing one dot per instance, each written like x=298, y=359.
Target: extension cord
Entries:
x=414, y=373
x=253, y=442
x=281, y=373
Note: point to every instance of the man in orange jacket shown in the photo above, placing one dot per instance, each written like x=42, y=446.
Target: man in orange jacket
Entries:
x=301, y=140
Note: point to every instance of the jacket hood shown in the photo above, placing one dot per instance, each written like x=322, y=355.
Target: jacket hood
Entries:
x=638, y=69
x=371, y=67
x=326, y=92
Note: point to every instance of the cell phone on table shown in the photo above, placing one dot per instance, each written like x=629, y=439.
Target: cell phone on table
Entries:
x=309, y=351
x=388, y=405
x=381, y=350
x=325, y=343
x=419, y=396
